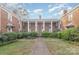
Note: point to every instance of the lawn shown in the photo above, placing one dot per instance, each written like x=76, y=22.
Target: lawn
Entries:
x=20, y=47
x=61, y=47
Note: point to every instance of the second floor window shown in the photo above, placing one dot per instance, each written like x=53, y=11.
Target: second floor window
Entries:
x=10, y=17
x=70, y=17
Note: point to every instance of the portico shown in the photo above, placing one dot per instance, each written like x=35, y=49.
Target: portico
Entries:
x=41, y=26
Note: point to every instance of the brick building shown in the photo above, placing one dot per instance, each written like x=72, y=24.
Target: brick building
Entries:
x=9, y=22
x=70, y=19
x=47, y=25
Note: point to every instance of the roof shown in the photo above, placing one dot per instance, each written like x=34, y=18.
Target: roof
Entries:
x=70, y=24
x=71, y=10
x=9, y=11
x=46, y=20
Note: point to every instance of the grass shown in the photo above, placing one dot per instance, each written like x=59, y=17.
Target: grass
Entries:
x=20, y=47
x=61, y=47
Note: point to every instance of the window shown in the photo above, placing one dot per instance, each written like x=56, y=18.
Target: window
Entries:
x=70, y=17
x=9, y=17
x=9, y=29
x=49, y=28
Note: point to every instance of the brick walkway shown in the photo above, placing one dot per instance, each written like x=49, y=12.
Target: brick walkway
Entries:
x=40, y=48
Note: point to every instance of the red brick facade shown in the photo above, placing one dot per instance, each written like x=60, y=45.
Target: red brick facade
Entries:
x=4, y=20
x=9, y=22
x=6, y=24
x=70, y=19
x=75, y=19
x=16, y=24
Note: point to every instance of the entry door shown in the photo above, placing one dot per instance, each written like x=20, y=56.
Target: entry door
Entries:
x=47, y=27
x=32, y=27
x=40, y=26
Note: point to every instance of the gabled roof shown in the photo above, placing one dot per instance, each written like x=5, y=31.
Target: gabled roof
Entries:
x=9, y=11
x=71, y=10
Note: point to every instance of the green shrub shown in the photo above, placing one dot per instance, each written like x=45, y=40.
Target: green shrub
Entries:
x=46, y=34
x=3, y=38
x=59, y=34
x=32, y=35
x=49, y=34
x=20, y=35
x=54, y=35
x=69, y=34
x=75, y=36
x=26, y=35
x=11, y=36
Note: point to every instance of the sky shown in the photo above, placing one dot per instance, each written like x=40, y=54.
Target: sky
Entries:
x=46, y=10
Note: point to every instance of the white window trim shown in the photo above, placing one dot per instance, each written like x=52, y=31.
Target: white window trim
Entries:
x=9, y=30
x=70, y=17
x=9, y=17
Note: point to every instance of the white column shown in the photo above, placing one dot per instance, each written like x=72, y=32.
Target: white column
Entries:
x=59, y=25
x=43, y=26
x=20, y=24
x=28, y=26
x=36, y=26
x=0, y=21
x=51, y=26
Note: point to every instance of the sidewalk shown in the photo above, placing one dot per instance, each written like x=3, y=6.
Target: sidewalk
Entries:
x=40, y=48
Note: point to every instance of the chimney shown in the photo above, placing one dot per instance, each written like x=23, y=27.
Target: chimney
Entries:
x=40, y=17
x=64, y=11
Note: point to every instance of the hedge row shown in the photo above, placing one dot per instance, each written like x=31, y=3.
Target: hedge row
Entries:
x=49, y=34
x=7, y=38
x=12, y=36
x=26, y=35
x=69, y=34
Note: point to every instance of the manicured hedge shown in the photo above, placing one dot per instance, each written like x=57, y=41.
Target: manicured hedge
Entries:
x=54, y=35
x=7, y=38
x=45, y=34
x=32, y=34
x=3, y=38
x=26, y=35
x=21, y=35
x=12, y=36
x=69, y=34
x=49, y=34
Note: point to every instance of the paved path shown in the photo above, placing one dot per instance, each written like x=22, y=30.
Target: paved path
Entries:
x=40, y=48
